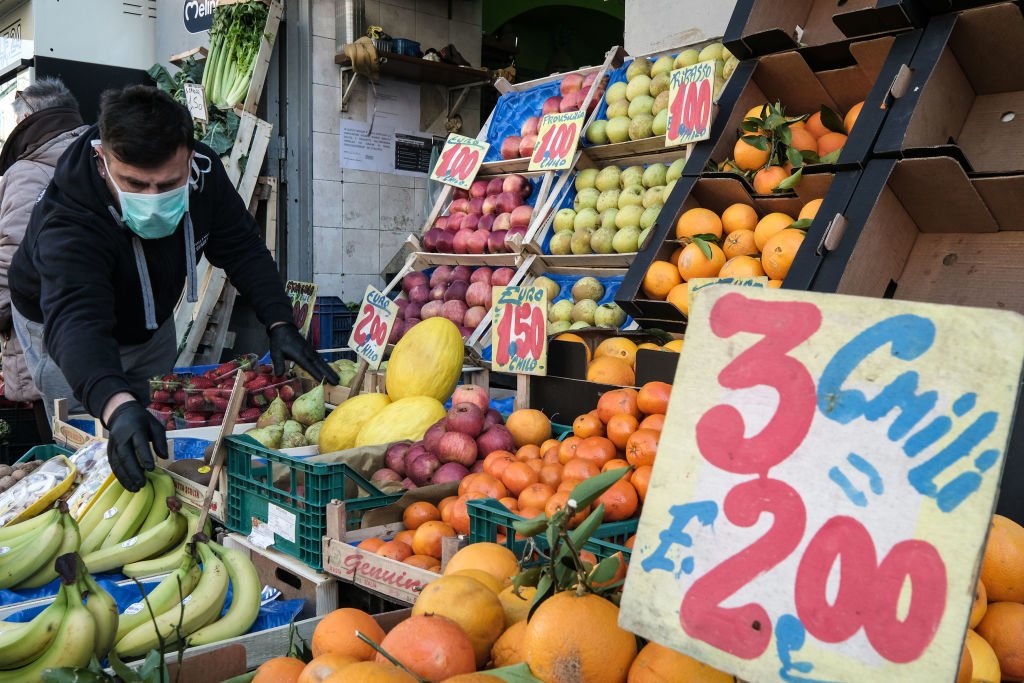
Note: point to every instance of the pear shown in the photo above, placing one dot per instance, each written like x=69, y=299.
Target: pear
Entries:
x=270, y=436
x=293, y=440
x=313, y=432
x=309, y=408
x=291, y=426
x=275, y=414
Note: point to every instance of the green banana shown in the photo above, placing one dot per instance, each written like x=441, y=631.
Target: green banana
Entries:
x=72, y=646
x=108, y=518
x=69, y=544
x=24, y=560
x=163, y=488
x=191, y=614
x=22, y=645
x=128, y=524
x=103, y=609
x=149, y=543
x=169, y=561
x=9, y=534
x=245, y=599
x=94, y=513
x=167, y=594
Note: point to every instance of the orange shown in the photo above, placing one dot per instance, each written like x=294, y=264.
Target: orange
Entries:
x=550, y=456
x=642, y=447
x=653, y=398
x=496, y=560
x=536, y=495
x=470, y=604
x=620, y=501
x=570, y=337
x=675, y=345
x=445, y=502
x=742, y=266
x=767, y=179
x=660, y=278
x=608, y=370
x=508, y=648
x=535, y=464
x=966, y=672
x=693, y=263
x=768, y=226
x=748, y=157
x=779, y=252
x=510, y=503
x=429, y=537
x=614, y=464
x=395, y=550
x=548, y=445
x=802, y=140
x=550, y=474
x=336, y=634
x=620, y=427
x=579, y=469
x=496, y=462
x=651, y=346
x=567, y=451
x=653, y=422
x=517, y=477
x=1003, y=628
x=460, y=511
x=558, y=501
x=810, y=209
x=738, y=217
x=371, y=672
x=830, y=142
x=984, y=662
x=528, y=452
x=556, y=648
x=1002, y=568
x=596, y=449
x=516, y=606
x=698, y=222
x=432, y=646
x=418, y=513
x=674, y=258
x=587, y=425
x=814, y=126
x=679, y=296
x=740, y=243
x=758, y=112
x=850, y=120
x=474, y=678
x=619, y=401
x=630, y=541
x=280, y=670
x=481, y=482
x=526, y=513
x=774, y=284
x=427, y=562
x=405, y=536
x=528, y=426
x=659, y=664
x=641, y=479
x=618, y=347
x=323, y=666
x=568, y=485
x=371, y=545
x=980, y=604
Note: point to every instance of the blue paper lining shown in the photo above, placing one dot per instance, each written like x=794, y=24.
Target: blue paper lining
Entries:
x=511, y=112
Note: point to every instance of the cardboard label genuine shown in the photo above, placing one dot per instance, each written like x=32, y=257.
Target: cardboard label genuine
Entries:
x=459, y=161
x=382, y=575
x=689, y=104
x=557, y=139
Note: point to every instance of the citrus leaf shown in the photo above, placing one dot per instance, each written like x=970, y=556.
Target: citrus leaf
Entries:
x=707, y=237
x=582, y=533
x=757, y=141
x=795, y=157
x=519, y=673
x=526, y=578
x=528, y=528
x=785, y=135
x=545, y=588
x=589, y=490
x=831, y=120
x=773, y=121
x=150, y=664
x=704, y=248
x=832, y=157
x=797, y=119
x=801, y=224
x=750, y=125
x=606, y=569
x=791, y=182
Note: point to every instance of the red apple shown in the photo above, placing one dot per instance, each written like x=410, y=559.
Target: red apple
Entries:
x=474, y=316
x=482, y=274
x=486, y=221
x=461, y=242
x=508, y=201
x=460, y=193
x=456, y=291
x=518, y=184
x=527, y=145
x=589, y=79
x=521, y=216
x=478, y=190
x=441, y=223
x=502, y=222
x=571, y=102
x=446, y=242
x=430, y=239
x=494, y=185
x=431, y=309
x=530, y=126
x=478, y=294
x=461, y=273
x=470, y=221
x=476, y=206
x=551, y=105
x=510, y=147
x=455, y=221
x=459, y=206
x=571, y=83
x=454, y=310
x=502, y=276
x=471, y=393
x=490, y=203
x=477, y=242
x=496, y=242
x=440, y=276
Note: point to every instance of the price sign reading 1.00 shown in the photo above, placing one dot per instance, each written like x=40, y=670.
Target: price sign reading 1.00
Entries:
x=519, y=341
x=459, y=161
x=372, y=328
x=557, y=138
x=689, y=104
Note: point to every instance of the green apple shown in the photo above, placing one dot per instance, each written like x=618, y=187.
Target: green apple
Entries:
x=654, y=195
x=597, y=132
x=563, y=221
x=626, y=240
x=586, y=219
x=634, y=175
x=550, y=286
x=615, y=92
x=641, y=105
x=618, y=129
x=607, y=200
x=561, y=243
x=660, y=124
x=712, y=51
x=659, y=84
x=639, y=66
x=580, y=243
x=637, y=86
x=686, y=58
x=649, y=215
x=562, y=310
x=660, y=103
x=608, y=178
x=585, y=178
x=614, y=111
x=559, y=327
x=654, y=175
x=601, y=241
x=608, y=218
x=629, y=216
x=675, y=171
x=729, y=67
x=609, y=315
x=581, y=325
x=641, y=127
x=586, y=199
x=644, y=234
x=726, y=54
x=668, y=188
x=631, y=196
x=663, y=65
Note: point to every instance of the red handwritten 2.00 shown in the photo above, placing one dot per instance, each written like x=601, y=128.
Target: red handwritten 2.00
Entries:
x=868, y=592
x=378, y=329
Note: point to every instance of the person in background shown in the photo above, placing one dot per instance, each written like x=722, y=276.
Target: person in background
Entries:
x=134, y=203
x=48, y=121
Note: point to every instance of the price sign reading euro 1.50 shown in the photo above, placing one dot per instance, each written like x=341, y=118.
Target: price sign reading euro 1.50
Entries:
x=519, y=341
x=459, y=161
x=689, y=104
x=373, y=326
x=557, y=139
x=824, y=486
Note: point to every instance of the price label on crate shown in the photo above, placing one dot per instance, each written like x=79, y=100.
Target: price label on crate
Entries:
x=195, y=100
x=689, y=104
x=825, y=482
x=303, y=296
x=519, y=341
x=459, y=161
x=557, y=140
x=372, y=328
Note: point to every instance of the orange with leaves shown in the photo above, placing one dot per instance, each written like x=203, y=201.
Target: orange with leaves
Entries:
x=748, y=157
x=740, y=243
x=768, y=178
x=694, y=263
x=698, y=222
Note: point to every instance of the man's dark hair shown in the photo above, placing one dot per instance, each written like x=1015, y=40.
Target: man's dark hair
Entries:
x=144, y=126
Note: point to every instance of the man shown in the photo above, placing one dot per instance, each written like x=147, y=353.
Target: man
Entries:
x=48, y=122
x=133, y=205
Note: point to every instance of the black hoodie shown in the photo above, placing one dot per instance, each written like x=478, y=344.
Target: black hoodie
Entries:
x=76, y=269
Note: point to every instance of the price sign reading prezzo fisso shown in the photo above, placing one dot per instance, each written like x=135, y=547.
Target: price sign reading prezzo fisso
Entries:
x=557, y=139
x=460, y=161
x=824, y=488
x=519, y=342
x=690, y=92
x=377, y=314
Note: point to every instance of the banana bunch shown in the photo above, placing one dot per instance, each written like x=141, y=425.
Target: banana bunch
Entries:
x=28, y=549
x=189, y=602
x=80, y=623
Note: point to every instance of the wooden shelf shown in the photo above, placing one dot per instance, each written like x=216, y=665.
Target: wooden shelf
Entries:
x=424, y=71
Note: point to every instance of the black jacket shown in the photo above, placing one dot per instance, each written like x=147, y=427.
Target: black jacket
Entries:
x=76, y=270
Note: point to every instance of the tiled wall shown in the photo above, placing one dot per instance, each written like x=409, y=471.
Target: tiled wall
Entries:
x=360, y=219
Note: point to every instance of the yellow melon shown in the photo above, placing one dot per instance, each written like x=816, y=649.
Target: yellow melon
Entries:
x=404, y=420
x=341, y=427
x=427, y=361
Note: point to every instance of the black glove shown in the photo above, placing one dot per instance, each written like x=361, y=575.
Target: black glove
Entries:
x=287, y=344
x=132, y=430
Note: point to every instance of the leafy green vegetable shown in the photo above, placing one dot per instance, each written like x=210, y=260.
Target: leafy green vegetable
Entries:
x=235, y=39
x=222, y=126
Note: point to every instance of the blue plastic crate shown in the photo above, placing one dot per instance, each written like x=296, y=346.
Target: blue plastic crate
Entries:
x=332, y=327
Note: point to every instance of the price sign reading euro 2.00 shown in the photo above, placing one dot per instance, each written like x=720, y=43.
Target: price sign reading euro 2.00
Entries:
x=824, y=486
x=519, y=341
x=459, y=161
x=372, y=328
x=690, y=91
x=557, y=139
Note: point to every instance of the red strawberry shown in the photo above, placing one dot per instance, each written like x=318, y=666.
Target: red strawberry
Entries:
x=220, y=404
x=160, y=411
x=161, y=396
x=266, y=369
x=215, y=420
x=226, y=368
x=201, y=383
x=257, y=384
x=194, y=420
x=194, y=403
x=249, y=375
x=210, y=375
x=270, y=393
x=180, y=397
x=249, y=415
x=287, y=393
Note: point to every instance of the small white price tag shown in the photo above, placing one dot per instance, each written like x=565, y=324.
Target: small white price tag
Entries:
x=281, y=522
x=195, y=100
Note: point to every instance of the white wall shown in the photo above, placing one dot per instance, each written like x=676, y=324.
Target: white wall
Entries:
x=660, y=25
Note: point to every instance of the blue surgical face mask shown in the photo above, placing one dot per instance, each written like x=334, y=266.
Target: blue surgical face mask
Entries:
x=151, y=216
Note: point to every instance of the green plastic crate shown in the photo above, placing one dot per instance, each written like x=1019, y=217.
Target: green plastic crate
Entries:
x=487, y=514
x=44, y=452
x=306, y=489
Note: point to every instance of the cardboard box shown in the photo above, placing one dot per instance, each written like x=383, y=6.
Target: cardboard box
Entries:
x=759, y=27
x=860, y=71
x=718, y=193
x=965, y=98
